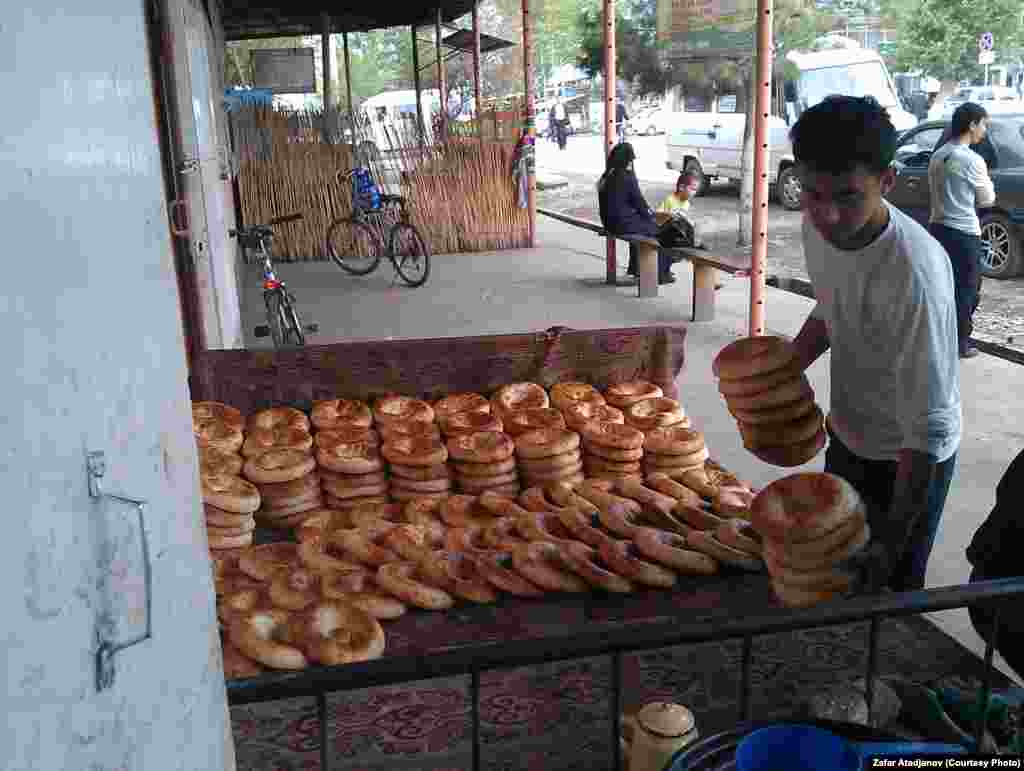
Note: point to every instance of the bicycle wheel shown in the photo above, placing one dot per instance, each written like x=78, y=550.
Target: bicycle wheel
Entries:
x=355, y=246
x=290, y=324
x=272, y=299
x=409, y=253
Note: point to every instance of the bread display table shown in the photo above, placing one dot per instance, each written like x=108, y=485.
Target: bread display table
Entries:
x=511, y=633
x=471, y=639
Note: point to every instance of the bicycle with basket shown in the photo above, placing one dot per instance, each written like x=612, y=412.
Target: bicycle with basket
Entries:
x=283, y=323
x=379, y=226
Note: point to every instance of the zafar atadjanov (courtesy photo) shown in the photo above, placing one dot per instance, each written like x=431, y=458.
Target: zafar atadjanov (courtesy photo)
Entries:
x=949, y=761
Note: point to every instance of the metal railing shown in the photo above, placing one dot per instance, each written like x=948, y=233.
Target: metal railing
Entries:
x=615, y=638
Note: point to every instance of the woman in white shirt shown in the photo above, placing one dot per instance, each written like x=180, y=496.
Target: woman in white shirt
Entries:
x=959, y=184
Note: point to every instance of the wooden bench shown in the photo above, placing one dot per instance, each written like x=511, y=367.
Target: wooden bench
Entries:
x=704, y=265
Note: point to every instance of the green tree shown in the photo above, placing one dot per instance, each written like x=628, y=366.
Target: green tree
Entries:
x=796, y=23
x=940, y=37
x=556, y=36
x=638, y=58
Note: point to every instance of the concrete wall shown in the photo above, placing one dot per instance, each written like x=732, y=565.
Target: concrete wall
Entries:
x=92, y=343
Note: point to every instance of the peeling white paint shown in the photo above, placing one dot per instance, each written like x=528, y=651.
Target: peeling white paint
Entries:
x=90, y=328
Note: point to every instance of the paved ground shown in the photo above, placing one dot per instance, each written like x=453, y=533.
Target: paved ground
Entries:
x=999, y=319
x=530, y=290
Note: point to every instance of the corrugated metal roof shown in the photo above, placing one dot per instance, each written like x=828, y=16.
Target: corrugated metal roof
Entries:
x=272, y=18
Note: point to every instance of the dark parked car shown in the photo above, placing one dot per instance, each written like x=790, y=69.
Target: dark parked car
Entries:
x=1002, y=226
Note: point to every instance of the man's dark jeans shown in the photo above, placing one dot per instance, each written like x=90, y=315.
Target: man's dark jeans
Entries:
x=874, y=480
x=964, y=250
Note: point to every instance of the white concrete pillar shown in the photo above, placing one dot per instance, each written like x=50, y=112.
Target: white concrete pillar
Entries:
x=90, y=327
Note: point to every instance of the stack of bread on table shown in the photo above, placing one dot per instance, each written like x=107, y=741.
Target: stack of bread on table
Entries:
x=416, y=456
x=770, y=397
x=478, y=439
x=810, y=523
x=413, y=504
x=348, y=453
x=279, y=461
x=228, y=500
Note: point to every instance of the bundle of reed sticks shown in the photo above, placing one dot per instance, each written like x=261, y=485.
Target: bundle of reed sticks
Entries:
x=459, y=188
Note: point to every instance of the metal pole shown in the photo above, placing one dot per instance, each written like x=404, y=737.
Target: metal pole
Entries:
x=474, y=688
x=530, y=133
x=416, y=85
x=986, y=686
x=745, y=656
x=609, y=118
x=441, y=85
x=321, y=712
x=325, y=52
x=762, y=105
x=616, y=708
x=348, y=87
x=869, y=683
x=477, y=95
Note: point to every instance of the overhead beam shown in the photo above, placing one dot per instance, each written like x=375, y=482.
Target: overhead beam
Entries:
x=477, y=95
x=325, y=53
x=416, y=83
x=348, y=89
x=442, y=84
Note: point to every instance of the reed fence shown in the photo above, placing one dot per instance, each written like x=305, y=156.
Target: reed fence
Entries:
x=459, y=189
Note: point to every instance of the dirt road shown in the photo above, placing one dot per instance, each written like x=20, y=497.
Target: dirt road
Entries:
x=999, y=319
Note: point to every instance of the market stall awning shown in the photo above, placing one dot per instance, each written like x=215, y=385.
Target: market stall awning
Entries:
x=271, y=18
x=462, y=41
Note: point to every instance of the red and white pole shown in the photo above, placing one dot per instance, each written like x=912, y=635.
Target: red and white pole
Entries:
x=762, y=108
x=609, y=116
x=530, y=117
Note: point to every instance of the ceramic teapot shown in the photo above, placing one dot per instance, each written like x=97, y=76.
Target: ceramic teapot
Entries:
x=655, y=734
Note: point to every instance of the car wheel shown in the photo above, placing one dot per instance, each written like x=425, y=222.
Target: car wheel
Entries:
x=693, y=167
x=1001, y=255
x=789, y=189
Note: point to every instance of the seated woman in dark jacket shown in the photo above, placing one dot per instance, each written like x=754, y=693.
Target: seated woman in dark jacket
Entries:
x=624, y=211
x=995, y=552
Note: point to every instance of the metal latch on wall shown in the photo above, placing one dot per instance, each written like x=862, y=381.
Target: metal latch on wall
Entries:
x=96, y=467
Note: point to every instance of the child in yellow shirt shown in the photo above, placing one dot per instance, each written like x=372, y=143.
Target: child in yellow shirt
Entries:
x=678, y=204
x=679, y=201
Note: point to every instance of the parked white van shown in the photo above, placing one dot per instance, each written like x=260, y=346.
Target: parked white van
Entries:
x=395, y=111
x=710, y=144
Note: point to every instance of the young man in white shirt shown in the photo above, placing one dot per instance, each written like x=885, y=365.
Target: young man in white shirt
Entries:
x=887, y=312
x=959, y=184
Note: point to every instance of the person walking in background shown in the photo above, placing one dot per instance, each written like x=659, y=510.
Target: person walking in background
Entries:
x=624, y=210
x=885, y=309
x=959, y=183
x=621, y=116
x=561, y=123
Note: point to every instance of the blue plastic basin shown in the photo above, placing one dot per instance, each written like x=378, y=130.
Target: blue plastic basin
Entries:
x=795, y=748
